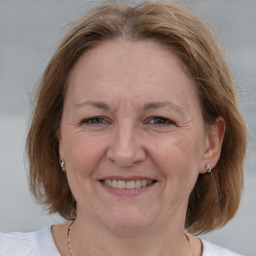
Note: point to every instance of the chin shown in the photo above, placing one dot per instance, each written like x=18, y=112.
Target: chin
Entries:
x=127, y=223
x=127, y=227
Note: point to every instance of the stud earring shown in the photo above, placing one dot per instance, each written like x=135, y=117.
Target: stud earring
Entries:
x=62, y=162
x=208, y=168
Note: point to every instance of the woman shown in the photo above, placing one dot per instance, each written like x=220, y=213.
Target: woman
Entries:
x=136, y=139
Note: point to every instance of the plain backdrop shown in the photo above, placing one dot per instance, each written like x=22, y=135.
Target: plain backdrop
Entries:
x=29, y=34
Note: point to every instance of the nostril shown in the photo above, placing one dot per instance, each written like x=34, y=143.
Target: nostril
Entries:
x=125, y=148
x=125, y=158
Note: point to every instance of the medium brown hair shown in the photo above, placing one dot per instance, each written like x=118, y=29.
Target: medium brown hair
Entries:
x=216, y=196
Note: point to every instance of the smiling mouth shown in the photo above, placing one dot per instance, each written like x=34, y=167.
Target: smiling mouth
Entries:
x=131, y=184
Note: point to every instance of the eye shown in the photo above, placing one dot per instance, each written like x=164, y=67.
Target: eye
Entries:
x=157, y=120
x=94, y=121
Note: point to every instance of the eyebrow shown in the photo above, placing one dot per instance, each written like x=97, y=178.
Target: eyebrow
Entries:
x=146, y=107
x=97, y=104
x=159, y=104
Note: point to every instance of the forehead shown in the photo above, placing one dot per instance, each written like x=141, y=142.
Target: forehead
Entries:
x=128, y=57
x=123, y=67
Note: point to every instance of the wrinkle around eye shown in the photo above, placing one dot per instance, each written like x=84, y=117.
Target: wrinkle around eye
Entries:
x=95, y=123
x=159, y=124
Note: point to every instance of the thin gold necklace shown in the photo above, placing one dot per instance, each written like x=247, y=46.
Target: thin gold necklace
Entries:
x=69, y=243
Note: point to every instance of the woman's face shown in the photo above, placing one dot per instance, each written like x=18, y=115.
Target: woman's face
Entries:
x=132, y=136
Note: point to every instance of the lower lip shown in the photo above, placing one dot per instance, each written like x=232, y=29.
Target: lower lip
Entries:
x=127, y=192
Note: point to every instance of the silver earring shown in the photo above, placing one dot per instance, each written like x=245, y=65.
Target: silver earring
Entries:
x=62, y=162
x=208, y=168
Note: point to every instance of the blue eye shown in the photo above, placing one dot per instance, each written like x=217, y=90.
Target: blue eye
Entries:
x=160, y=121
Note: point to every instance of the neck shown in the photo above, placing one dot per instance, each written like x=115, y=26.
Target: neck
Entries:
x=91, y=240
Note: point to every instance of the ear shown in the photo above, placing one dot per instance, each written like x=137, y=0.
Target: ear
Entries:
x=61, y=153
x=213, y=144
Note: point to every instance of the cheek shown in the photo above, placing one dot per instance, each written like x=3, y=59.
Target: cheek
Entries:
x=179, y=159
x=83, y=156
x=82, y=153
x=180, y=150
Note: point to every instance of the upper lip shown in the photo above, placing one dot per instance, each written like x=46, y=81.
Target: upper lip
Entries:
x=117, y=177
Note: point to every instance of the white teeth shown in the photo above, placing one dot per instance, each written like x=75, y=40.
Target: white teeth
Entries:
x=114, y=183
x=121, y=184
x=143, y=183
x=138, y=183
x=132, y=184
x=149, y=182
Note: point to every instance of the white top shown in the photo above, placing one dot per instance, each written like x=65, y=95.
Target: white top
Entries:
x=41, y=243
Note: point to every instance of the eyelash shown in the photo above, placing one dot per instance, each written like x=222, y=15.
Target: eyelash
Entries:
x=163, y=121
x=157, y=120
x=91, y=120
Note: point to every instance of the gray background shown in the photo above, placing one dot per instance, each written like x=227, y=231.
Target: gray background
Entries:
x=29, y=33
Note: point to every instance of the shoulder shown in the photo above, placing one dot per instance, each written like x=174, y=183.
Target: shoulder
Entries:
x=210, y=249
x=33, y=243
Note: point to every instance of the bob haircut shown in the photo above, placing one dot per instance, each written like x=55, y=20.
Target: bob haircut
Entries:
x=216, y=196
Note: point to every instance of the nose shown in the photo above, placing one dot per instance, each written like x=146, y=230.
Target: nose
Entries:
x=126, y=148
